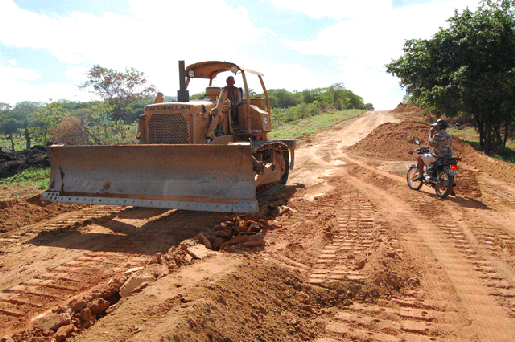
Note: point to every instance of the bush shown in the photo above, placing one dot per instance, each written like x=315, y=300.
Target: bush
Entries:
x=69, y=132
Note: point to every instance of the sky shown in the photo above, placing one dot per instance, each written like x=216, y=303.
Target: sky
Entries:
x=47, y=47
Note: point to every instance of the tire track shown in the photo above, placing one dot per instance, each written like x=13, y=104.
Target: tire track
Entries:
x=453, y=252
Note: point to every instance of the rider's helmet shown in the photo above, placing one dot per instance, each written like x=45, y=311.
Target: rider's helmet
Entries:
x=442, y=123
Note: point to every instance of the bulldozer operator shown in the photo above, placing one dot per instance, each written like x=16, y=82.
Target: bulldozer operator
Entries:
x=234, y=95
x=231, y=93
x=216, y=116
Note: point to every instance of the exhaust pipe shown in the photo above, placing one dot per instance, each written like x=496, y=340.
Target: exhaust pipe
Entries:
x=183, y=95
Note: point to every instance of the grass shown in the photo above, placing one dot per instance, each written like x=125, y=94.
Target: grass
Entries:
x=466, y=131
x=470, y=136
x=19, y=143
x=504, y=153
x=38, y=178
x=312, y=124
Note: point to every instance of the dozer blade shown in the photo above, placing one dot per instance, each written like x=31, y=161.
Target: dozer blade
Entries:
x=216, y=178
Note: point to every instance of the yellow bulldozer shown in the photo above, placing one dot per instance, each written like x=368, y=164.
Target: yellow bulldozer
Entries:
x=191, y=154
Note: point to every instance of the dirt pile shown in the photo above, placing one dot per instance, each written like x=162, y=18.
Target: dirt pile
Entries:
x=19, y=213
x=392, y=141
x=12, y=163
x=395, y=142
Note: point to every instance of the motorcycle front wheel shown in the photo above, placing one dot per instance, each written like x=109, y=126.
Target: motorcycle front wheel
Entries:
x=413, y=183
x=444, y=185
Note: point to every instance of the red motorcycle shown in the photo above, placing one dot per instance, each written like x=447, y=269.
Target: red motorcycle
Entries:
x=439, y=175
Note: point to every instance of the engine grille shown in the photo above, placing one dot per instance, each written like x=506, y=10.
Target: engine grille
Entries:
x=168, y=129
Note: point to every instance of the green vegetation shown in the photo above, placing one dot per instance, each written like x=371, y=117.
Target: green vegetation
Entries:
x=500, y=152
x=471, y=136
x=467, y=69
x=311, y=124
x=7, y=145
x=32, y=177
x=467, y=131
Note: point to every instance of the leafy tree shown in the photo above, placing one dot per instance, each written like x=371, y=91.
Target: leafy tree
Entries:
x=17, y=118
x=45, y=119
x=119, y=89
x=369, y=106
x=466, y=69
x=282, y=98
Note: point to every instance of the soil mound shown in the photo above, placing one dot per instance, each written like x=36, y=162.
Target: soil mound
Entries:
x=395, y=142
x=29, y=211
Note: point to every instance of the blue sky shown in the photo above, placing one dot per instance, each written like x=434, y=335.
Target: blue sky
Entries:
x=47, y=47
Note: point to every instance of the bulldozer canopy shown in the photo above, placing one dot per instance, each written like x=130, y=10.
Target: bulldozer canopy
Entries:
x=211, y=69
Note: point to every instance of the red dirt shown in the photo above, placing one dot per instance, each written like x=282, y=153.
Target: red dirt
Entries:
x=345, y=252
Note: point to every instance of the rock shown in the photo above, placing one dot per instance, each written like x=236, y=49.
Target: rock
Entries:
x=198, y=251
x=63, y=332
x=133, y=282
x=140, y=288
x=158, y=271
x=52, y=321
x=224, y=233
x=234, y=240
x=77, y=305
x=254, y=243
x=217, y=242
x=204, y=240
x=360, y=264
x=85, y=314
x=98, y=305
x=134, y=270
x=113, y=287
x=254, y=227
x=285, y=209
x=303, y=297
x=414, y=281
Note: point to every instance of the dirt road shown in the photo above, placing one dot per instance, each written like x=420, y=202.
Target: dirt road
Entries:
x=345, y=252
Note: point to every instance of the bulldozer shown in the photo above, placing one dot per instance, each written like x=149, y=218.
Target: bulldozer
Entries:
x=191, y=154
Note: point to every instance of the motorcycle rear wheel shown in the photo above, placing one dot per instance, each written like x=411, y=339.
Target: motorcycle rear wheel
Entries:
x=411, y=178
x=444, y=185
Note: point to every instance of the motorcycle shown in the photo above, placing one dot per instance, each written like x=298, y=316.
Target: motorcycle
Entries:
x=439, y=175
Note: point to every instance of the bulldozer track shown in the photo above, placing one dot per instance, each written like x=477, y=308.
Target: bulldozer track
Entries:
x=405, y=318
x=58, y=284
x=469, y=258
x=32, y=292
x=357, y=233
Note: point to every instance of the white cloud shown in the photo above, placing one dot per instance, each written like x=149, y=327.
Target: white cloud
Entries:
x=12, y=62
x=158, y=30
x=338, y=9
x=159, y=33
x=18, y=85
x=77, y=73
x=364, y=45
x=12, y=73
x=153, y=40
x=375, y=40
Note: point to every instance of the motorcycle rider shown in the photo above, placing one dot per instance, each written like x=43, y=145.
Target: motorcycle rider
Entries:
x=441, y=142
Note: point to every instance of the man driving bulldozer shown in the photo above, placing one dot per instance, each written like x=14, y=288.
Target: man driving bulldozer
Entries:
x=234, y=95
x=441, y=142
x=216, y=116
x=231, y=93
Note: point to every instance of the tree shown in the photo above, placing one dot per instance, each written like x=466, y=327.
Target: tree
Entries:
x=282, y=98
x=45, y=119
x=466, y=69
x=119, y=89
x=17, y=118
